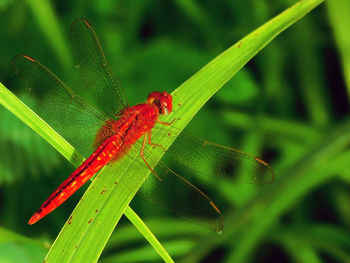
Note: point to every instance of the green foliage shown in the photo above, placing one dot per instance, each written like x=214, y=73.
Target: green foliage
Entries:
x=17, y=248
x=339, y=15
x=26, y=152
x=288, y=105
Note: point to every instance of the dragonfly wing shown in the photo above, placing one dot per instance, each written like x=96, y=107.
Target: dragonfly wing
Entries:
x=167, y=189
x=202, y=157
x=59, y=106
x=98, y=77
x=197, y=157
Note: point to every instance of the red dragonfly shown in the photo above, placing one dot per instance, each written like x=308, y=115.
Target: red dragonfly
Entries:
x=109, y=128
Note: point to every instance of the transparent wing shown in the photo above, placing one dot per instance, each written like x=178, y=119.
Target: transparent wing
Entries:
x=97, y=75
x=198, y=157
x=202, y=157
x=59, y=106
x=169, y=190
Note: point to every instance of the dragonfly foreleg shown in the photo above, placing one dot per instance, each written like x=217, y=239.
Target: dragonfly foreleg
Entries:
x=167, y=123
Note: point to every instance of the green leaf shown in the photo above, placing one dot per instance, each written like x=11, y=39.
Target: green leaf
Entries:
x=323, y=162
x=146, y=254
x=85, y=234
x=27, y=152
x=245, y=86
x=339, y=11
x=301, y=252
x=327, y=238
x=17, y=248
x=164, y=228
x=48, y=23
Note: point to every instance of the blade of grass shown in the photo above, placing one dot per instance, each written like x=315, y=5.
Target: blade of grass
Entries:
x=315, y=169
x=142, y=228
x=90, y=236
x=328, y=238
x=194, y=11
x=47, y=21
x=301, y=252
x=163, y=227
x=339, y=11
x=17, y=248
x=298, y=131
x=311, y=79
x=8, y=236
x=25, y=114
x=146, y=254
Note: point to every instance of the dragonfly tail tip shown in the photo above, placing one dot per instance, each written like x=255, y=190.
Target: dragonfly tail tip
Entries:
x=35, y=218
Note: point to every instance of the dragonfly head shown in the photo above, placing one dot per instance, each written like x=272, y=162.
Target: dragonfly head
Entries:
x=162, y=100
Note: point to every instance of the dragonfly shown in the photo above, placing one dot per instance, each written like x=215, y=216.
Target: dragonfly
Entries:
x=107, y=129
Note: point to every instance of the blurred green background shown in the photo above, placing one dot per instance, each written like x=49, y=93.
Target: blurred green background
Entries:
x=288, y=105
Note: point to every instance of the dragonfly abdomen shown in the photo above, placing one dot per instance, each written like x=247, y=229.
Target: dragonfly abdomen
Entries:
x=103, y=154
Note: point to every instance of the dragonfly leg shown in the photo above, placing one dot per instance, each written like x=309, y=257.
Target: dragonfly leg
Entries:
x=167, y=123
x=143, y=158
x=149, y=135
